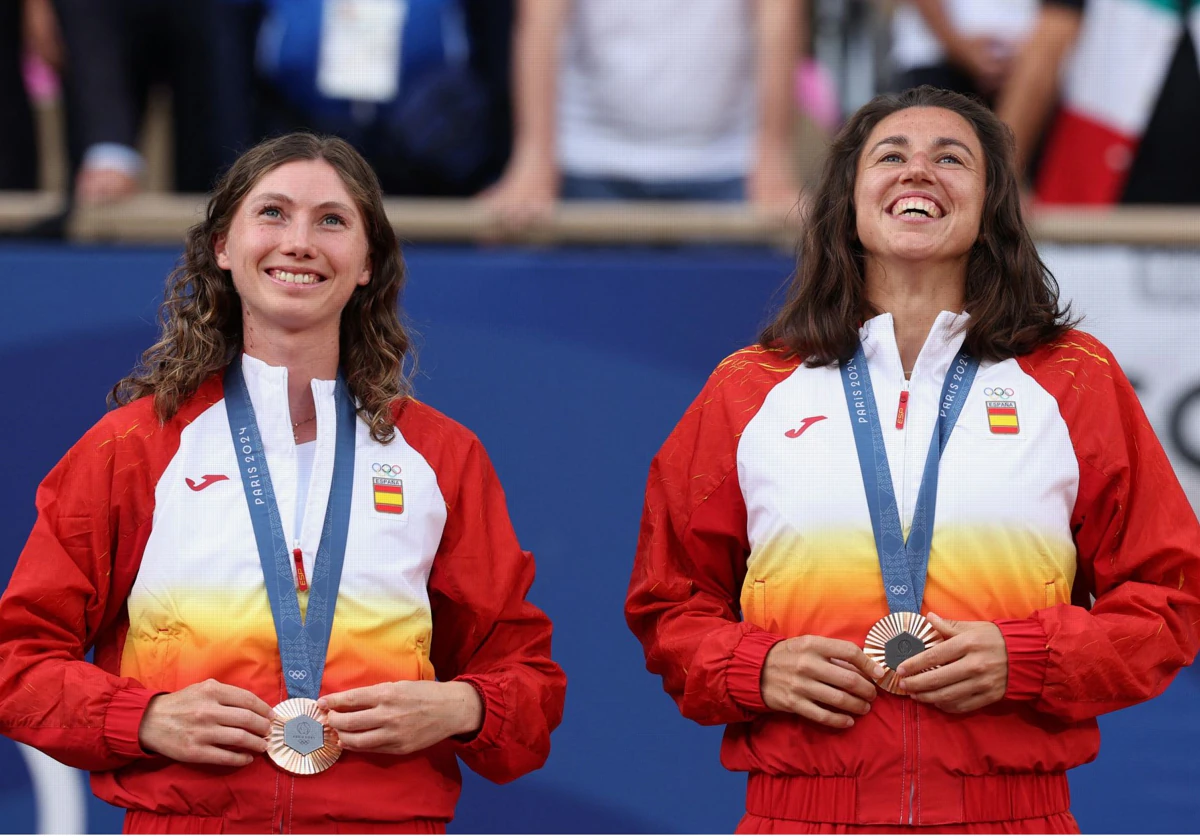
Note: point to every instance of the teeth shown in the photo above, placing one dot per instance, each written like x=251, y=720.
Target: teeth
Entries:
x=924, y=205
x=298, y=279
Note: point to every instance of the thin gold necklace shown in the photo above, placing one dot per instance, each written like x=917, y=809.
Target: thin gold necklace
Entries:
x=300, y=423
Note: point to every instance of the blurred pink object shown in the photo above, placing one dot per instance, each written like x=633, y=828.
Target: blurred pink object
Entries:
x=40, y=79
x=816, y=94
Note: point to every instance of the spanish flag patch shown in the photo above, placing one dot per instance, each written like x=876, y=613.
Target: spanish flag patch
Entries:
x=389, y=495
x=1002, y=417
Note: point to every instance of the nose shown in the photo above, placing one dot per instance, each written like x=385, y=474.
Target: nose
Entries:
x=297, y=240
x=919, y=168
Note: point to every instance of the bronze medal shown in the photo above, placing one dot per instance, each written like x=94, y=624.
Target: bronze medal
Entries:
x=896, y=638
x=300, y=741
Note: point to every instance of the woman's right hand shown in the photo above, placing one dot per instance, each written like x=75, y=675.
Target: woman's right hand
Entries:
x=207, y=723
x=817, y=678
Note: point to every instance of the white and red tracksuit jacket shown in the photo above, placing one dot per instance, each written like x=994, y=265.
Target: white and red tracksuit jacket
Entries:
x=143, y=547
x=756, y=529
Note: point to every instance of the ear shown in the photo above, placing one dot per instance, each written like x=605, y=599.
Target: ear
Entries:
x=219, y=242
x=365, y=277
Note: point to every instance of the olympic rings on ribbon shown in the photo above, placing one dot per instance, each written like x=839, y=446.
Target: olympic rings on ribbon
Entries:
x=297, y=675
x=998, y=392
x=898, y=590
x=386, y=469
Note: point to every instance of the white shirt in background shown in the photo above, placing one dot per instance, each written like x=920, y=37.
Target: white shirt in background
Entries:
x=914, y=45
x=658, y=90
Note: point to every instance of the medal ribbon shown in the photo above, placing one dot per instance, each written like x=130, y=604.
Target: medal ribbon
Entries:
x=303, y=644
x=904, y=563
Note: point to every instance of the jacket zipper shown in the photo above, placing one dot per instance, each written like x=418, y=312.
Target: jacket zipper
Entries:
x=911, y=758
x=909, y=723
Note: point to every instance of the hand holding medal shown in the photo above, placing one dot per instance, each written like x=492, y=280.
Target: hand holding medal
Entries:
x=402, y=717
x=206, y=723
x=824, y=680
x=966, y=671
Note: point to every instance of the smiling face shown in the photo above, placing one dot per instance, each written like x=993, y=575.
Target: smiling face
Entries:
x=920, y=188
x=296, y=249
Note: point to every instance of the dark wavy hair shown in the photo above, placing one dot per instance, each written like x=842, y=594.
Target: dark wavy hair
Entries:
x=1011, y=295
x=201, y=314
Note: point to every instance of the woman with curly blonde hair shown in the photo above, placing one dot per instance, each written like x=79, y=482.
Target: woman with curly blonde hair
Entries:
x=302, y=588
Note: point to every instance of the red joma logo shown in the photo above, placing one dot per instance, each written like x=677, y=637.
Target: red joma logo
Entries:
x=205, y=481
x=804, y=424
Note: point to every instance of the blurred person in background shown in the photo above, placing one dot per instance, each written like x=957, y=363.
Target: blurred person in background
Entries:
x=909, y=546
x=961, y=45
x=664, y=100
x=1126, y=75
x=26, y=26
x=117, y=50
x=303, y=592
x=420, y=87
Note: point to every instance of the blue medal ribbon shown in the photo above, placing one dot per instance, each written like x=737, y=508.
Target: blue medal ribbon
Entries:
x=904, y=563
x=303, y=644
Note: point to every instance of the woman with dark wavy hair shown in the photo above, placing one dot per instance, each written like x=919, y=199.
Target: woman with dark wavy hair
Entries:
x=302, y=588
x=911, y=544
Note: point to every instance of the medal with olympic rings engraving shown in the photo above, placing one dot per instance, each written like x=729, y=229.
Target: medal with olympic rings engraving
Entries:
x=896, y=638
x=300, y=741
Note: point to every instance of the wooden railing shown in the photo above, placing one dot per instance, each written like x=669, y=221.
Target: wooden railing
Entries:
x=157, y=218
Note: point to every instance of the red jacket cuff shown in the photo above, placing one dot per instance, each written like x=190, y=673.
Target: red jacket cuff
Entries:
x=494, y=715
x=744, y=676
x=123, y=718
x=1028, y=654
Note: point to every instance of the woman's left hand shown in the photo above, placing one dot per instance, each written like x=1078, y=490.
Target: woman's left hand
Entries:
x=402, y=717
x=970, y=667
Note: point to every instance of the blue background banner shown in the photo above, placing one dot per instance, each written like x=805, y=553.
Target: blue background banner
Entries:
x=572, y=367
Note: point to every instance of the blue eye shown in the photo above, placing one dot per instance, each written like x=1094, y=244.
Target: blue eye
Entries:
x=949, y=157
x=890, y=156
x=333, y=217
x=271, y=212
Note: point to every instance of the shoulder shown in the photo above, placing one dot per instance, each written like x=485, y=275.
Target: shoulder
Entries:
x=1095, y=399
x=134, y=431
x=1072, y=364
x=752, y=371
x=450, y=449
x=420, y=423
x=732, y=396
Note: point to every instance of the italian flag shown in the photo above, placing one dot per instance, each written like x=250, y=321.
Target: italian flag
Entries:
x=1110, y=88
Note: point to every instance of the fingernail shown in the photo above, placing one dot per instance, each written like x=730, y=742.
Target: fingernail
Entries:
x=879, y=671
x=935, y=616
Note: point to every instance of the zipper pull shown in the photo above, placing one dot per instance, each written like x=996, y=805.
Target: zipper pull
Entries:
x=301, y=580
x=901, y=411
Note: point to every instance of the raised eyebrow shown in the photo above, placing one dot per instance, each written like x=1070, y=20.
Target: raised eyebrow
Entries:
x=894, y=140
x=950, y=141
x=938, y=143
x=280, y=198
x=335, y=205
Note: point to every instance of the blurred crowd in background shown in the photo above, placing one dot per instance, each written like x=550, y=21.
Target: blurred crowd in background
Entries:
x=526, y=102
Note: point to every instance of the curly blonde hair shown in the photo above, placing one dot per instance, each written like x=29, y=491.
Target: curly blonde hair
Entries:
x=201, y=314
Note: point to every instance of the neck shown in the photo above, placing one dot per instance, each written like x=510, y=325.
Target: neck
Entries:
x=306, y=356
x=914, y=294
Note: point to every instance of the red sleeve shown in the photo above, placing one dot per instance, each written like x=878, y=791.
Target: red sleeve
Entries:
x=1138, y=545
x=683, y=600
x=67, y=593
x=485, y=632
